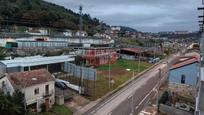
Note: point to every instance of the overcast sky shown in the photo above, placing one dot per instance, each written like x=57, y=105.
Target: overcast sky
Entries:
x=143, y=15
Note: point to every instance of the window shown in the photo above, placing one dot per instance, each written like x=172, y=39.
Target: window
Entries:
x=36, y=91
x=47, y=88
x=183, y=79
x=3, y=84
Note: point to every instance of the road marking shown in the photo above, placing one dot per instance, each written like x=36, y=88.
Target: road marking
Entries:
x=109, y=113
x=93, y=111
x=144, y=112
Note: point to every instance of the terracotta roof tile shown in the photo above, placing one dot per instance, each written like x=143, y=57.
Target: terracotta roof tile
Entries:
x=185, y=62
x=29, y=78
x=135, y=50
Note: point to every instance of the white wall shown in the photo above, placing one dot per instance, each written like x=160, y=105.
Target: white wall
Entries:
x=32, y=98
x=8, y=87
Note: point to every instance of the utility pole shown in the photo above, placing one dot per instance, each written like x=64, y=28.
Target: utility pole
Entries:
x=80, y=23
x=154, y=49
x=138, y=67
x=80, y=34
x=109, y=70
x=81, y=19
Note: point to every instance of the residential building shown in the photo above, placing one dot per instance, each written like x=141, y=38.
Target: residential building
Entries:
x=181, y=32
x=38, y=87
x=81, y=33
x=185, y=71
x=68, y=33
x=115, y=28
x=35, y=31
x=100, y=35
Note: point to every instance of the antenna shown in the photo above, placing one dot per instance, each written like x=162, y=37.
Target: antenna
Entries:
x=81, y=19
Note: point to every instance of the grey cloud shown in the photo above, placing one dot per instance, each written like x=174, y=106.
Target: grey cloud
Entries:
x=145, y=15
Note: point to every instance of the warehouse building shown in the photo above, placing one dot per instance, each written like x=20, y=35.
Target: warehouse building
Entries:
x=41, y=42
x=52, y=64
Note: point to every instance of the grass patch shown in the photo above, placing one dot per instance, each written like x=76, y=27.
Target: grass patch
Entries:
x=125, y=64
x=118, y=74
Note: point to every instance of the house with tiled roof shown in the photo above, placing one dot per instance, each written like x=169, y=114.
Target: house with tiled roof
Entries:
x=38, y=87
x=185, y=71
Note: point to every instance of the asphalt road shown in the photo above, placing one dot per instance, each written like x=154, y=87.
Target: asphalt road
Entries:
x=132, y=98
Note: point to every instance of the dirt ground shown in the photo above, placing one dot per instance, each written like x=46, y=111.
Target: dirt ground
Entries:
x=76, y=103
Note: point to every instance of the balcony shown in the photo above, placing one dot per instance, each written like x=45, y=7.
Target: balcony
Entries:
x=48, y=93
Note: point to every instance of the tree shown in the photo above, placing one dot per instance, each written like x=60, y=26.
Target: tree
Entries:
x=9, y=105
x=18, y=98
x=164, y=98
x=42, y=13
x=1, y=19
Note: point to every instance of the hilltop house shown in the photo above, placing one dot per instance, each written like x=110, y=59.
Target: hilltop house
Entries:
x=38, y=32
x=81, y=34
x=38, y=87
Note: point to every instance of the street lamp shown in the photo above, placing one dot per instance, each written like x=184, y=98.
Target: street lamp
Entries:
x=131, y=98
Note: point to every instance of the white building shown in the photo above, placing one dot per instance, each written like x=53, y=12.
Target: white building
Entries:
x=115, y=28
x=38, y=87
x=41, y=43
x=38, y=32
x=68, y=33
x=36, y=62
x=81, y=33
x=99, y=35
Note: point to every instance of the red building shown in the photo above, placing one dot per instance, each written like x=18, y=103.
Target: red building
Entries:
x=99, y=56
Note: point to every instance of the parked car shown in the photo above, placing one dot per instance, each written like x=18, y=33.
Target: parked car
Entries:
x=60, y=85
x=154, y=60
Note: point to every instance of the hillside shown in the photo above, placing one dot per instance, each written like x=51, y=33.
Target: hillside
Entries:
x=43, y=14
x=124, y=28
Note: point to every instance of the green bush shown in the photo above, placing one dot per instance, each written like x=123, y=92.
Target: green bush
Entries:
x=164, y=98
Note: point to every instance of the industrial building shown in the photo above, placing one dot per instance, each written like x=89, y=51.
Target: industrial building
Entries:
x=131, y=53
x=41, y=42
x=52, y=64
x=47, y=42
